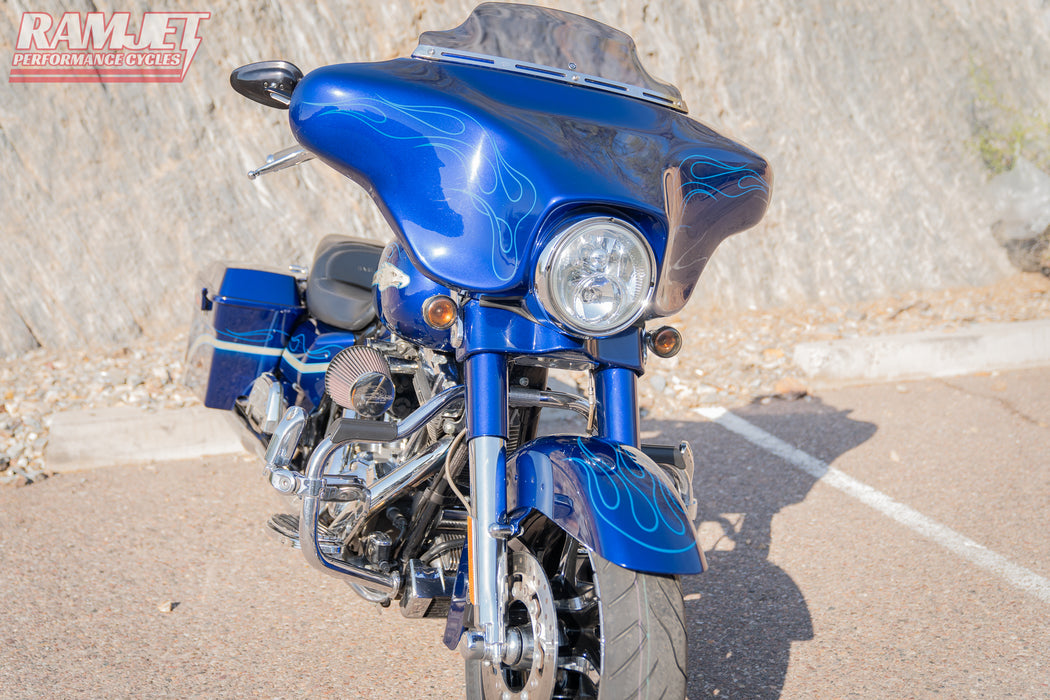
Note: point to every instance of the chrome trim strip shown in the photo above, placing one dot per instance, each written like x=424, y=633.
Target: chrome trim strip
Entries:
x=536, y=70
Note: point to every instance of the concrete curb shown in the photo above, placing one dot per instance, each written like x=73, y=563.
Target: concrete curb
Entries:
x=979, y=348
x=82, y=440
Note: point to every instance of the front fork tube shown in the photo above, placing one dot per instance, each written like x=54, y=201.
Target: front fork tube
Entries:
x=616, y=396
x=489, y=563
x=486, y=382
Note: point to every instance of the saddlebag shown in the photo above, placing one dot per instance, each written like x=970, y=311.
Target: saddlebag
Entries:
x=241, y=328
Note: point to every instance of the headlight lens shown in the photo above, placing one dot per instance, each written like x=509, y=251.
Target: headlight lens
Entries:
x=596, y=276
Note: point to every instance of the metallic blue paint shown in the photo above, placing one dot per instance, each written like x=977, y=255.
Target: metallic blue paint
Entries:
x=488, y=327
x=616, y=393
x=251, y=287
x=476, y=169
x=486, y=382
x=471, y=166
x=245, y=319
x=399, y=299
x=305, y=361
x=486, y=404
x=610, y=497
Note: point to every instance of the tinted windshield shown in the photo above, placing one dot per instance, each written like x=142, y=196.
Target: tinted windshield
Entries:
x=530, y=39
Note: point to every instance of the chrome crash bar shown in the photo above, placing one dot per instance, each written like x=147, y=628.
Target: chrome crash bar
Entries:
x=315, y=487
x=286, y=436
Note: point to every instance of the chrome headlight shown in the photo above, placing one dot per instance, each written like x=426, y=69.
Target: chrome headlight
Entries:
x=596, y=276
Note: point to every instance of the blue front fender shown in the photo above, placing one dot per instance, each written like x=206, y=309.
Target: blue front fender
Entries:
x=611, y=497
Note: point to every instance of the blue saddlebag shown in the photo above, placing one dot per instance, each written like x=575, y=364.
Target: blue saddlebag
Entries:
x=245, y=319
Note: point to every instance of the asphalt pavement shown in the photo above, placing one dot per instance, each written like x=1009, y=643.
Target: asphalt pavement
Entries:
x=877, y=541
x=814, y=593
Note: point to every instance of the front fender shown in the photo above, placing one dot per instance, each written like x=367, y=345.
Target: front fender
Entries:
x=611, y=497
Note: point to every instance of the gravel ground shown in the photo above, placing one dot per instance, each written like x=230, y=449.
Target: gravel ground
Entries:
x=41, y=383
x=729, y=359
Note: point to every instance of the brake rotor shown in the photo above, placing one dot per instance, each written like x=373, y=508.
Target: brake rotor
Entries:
x=534, y=645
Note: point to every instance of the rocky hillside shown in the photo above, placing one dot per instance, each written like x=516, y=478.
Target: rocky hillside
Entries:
x=883, y=122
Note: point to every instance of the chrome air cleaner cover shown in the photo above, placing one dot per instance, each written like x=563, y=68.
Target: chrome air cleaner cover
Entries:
x=358, y=378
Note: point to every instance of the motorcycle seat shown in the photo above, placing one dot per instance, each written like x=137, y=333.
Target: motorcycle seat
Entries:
x=339, y=288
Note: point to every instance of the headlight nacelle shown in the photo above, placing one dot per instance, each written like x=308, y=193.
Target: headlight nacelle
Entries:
x=596, y=276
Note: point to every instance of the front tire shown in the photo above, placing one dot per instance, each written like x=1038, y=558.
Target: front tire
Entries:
x=620, y=633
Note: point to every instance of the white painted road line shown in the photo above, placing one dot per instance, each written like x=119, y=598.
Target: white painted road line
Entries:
x=951, y=540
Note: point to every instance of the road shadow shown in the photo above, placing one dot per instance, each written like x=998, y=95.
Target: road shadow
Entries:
x=745, y=611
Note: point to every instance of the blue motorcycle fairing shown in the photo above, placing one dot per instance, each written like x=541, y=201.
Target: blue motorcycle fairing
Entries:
x=610, y=497
x=467, y=163
x=400, y=293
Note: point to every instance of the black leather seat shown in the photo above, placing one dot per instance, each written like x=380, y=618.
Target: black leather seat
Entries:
x=339, y=288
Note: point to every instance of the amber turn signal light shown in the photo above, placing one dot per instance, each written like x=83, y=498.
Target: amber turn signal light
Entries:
x=439, y=312
x=665, y=341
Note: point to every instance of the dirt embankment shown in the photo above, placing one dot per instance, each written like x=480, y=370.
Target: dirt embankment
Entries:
x=882, y=123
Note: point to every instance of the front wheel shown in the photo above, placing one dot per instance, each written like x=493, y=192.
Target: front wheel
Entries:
x=580, y=626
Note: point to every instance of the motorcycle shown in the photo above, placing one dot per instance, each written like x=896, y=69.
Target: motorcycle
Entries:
x=548, y=199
